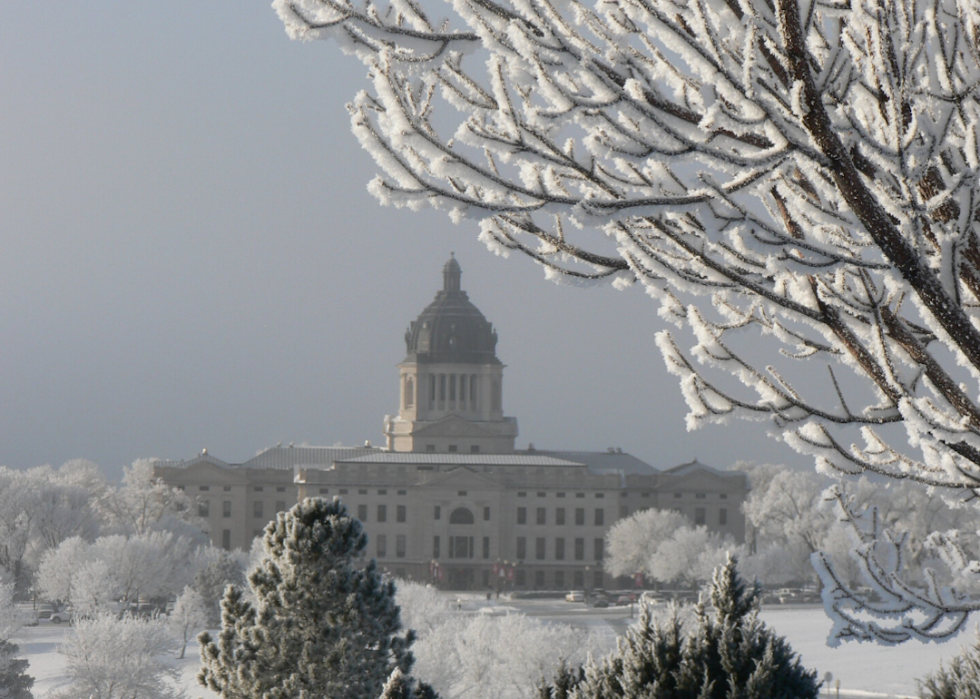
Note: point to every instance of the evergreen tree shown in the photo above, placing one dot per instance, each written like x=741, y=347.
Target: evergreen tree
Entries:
x=729, y=655
x=15, y=683
x=959, y=680
x=321, y=626
x=399, y=686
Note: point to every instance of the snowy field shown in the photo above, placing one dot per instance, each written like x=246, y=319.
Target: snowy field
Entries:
x=864, y=670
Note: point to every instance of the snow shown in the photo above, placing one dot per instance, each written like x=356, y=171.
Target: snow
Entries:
x=865, y=670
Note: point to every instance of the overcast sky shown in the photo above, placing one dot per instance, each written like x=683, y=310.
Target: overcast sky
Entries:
x=190, y=259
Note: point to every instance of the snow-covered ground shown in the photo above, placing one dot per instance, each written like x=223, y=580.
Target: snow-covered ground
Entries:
x=863, y=669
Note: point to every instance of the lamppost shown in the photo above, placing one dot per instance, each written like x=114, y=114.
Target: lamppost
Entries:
x=586, y=583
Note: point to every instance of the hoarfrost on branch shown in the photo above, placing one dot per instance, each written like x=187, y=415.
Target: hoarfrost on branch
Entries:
x=804, y=169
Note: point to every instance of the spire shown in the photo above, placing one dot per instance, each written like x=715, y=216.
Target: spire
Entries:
x=451, y=274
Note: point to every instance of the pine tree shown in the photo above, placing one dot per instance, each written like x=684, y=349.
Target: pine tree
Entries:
x=321, y=626
x=729, y=655
x=959, y=680
x=399, y=686
x=15, y=683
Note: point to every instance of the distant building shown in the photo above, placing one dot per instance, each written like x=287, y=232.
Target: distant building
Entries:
x=449, y=497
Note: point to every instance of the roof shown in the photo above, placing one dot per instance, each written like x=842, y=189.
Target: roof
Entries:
x=403, y=457
x=695, y=465
x=289, y=457
x=451, y=330
x=203, y=457
x=602, y=461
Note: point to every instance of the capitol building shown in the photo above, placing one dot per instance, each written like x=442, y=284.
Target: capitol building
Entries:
x=449, y=498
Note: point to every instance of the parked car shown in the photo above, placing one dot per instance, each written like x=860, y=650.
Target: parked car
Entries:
x=575, y=596
x=600, y=602
x=651, y=597
x=45, y=610
x=624, y=600
x=62, y=616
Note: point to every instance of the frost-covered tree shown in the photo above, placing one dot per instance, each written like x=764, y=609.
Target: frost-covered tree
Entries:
x=188, y=617
x=15, y=683
x=689, y=555
x=219, y=570
x=120, y=658
x=322, y=625
x=632, y=542
x=959, y=679
x=804, y=170
x=144, y=503
x=729, y=654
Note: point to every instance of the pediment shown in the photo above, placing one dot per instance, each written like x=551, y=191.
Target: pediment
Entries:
x=207, y=471
x=452, y=426
x=703, y=479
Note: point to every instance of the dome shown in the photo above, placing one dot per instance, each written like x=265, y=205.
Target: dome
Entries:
x=451, y=330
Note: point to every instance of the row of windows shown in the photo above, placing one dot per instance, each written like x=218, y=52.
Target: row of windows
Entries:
x=542, y=494
x=381, y=546
x=227, y=488
x=381, y=513
x=258, y=508
x=541, y=516
x=463, y=547
x=361, y=491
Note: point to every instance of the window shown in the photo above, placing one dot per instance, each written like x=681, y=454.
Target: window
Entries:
x=539, y=548
x=362, y=513
x=203, y=508
x=700, y=496
x=435, y=547
x=521, y=576
x=699, y=515
x=579, y=516
x=597, y=581
x=382, y=492
x=461, y=515
x=560, y=516
x=280, y=489
x=522, y=495
x=521, y=548
x=409, y=392
x=486, y=547
x=453, y=448
x=644, y=495
x=560, y=579
x=598, y=549
x=430, y=448
x=402, y=492
x=486, y=514
x=461, y=493
x=226, y=508
x=280, y=505
x=382, y=545
x=257, y=508
x=257, y=489
x=382, y=513
x=400, y=546
x=624, y=511
x=522, y=515
x=677, y=495
x=580, y=549
x=437, y=513
x=474, y=448
x=540, y=494
x=204, y=487
x=227, y=488
x=580, y=495
x=559, y=495
x=541, y=515
x=226, y=539
x=461, y=547
x=600, y=516
x=579, y=578
x=324, y=491
x=560, y=549
x=401, y=513
x=599, y=496
x=362, y=491
x=539, y=578
x=723, y=516
x=342, y=491
x=723, y=496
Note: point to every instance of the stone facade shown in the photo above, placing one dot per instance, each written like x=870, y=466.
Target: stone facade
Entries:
x=449, y=497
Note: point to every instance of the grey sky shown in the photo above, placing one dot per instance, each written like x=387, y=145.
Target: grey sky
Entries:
x=190, y=259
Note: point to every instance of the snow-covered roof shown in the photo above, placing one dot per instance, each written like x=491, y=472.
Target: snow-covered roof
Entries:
x=203, y=457
x=290, y=456
x=519, y=459
x=601, y=462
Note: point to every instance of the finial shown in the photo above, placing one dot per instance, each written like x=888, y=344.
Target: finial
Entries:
x=451, y=273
